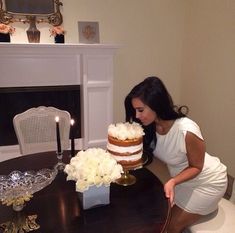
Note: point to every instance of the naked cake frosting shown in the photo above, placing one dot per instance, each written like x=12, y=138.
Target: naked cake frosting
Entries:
x=125, y=142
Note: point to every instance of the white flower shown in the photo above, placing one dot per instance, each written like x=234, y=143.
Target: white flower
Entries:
x=6, y=29
x=57, y=30
x=94, y=166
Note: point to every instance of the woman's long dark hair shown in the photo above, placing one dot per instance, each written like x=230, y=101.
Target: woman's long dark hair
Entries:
x=154, y=94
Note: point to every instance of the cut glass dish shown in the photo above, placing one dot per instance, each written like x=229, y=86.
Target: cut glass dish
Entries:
x=19, y=187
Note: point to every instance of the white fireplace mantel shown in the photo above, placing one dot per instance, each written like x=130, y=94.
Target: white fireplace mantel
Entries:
x=91, y=66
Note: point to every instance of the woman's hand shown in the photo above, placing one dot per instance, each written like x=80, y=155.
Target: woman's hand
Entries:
x=169, y=189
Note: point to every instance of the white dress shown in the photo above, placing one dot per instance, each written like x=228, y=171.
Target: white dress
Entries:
x=201, y=194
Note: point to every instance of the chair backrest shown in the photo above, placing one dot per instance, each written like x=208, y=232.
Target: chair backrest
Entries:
x=36, y=129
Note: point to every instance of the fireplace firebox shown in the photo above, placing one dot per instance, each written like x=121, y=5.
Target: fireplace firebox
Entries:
x=14, y=100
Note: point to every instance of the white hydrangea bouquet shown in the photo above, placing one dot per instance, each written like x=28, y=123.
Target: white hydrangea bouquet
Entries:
x=94, y=166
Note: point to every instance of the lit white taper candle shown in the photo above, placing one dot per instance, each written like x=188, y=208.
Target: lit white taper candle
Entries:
x=72, y=137
x=57, y=119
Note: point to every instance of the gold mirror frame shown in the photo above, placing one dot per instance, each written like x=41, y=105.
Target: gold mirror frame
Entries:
x=54, y=19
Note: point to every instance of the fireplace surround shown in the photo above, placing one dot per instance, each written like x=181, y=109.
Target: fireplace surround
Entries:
x=62, y=65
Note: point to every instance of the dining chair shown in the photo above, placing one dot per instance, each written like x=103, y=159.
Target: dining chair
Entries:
x=35, y=129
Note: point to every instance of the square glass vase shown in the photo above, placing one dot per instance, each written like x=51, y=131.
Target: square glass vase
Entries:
x=94, y=197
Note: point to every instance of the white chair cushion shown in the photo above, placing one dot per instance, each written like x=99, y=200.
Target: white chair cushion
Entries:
x=221, y=221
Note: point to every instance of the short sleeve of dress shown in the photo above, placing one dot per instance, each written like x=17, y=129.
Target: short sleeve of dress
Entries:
x=188, y=125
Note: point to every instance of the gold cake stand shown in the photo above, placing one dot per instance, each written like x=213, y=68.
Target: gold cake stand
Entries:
x=126, y=178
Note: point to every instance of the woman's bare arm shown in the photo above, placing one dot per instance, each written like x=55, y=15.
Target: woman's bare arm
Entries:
x=195, y=148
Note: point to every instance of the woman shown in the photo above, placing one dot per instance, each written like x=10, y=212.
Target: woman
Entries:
x=198, y=181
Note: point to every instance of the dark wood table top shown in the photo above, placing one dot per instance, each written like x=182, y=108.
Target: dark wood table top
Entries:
x=138, y=208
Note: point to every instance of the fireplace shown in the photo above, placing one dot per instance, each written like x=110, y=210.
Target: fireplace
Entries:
x=52, y=69
x=15, y=100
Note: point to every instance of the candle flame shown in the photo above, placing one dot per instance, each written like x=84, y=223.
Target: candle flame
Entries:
x=72, y=121
x=57, y=119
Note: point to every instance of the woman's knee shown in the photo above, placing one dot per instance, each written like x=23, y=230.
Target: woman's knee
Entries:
x=180, y=220
x=176, y=224
x=175, y=227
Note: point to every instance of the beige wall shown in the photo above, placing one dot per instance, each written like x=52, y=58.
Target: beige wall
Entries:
x=187, y=43
x=150, y=34
x=208, y=74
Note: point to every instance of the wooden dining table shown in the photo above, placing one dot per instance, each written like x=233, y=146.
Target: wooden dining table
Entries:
x=138, y=208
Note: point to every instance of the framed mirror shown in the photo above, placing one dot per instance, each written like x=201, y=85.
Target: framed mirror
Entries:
x=25, y=11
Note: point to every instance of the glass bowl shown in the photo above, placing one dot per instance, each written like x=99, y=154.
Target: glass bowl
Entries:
x=19, y=187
